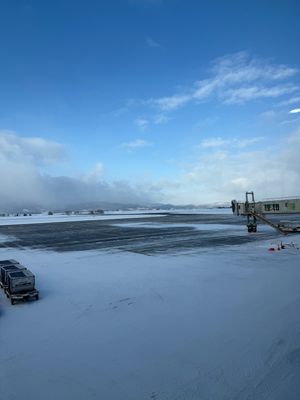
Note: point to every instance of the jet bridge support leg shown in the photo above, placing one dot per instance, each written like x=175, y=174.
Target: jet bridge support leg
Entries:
x=251, y=223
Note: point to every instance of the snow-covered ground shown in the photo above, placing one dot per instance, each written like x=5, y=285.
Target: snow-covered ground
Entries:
x=239, y=229
x=45, y=219
x=202, y=211
x=221, y=324
x=111, y=215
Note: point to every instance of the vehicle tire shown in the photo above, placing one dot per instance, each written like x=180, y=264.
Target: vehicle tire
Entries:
x=12, y=301
x=37, y=297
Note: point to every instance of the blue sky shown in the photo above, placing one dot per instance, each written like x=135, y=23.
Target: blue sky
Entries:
x=176, y=101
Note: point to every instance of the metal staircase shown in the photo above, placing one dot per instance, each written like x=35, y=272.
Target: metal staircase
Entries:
x=268, y=222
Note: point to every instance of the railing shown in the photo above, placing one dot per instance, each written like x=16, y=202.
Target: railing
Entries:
x=264, y=219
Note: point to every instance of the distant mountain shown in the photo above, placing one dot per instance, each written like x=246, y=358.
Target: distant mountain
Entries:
x=108, y=206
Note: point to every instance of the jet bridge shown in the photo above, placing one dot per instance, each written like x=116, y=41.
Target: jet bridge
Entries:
x=261, y=210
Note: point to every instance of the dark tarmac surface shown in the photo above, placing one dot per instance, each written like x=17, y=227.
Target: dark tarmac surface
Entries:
x=157, y=236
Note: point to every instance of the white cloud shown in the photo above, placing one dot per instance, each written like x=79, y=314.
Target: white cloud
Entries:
x=269, y=114
x=247, y=142
x=33, y=149
x=214, y=142
x=240, y=67
x=95, y=174
x=224, y=169
x=135, y=144
x=220, y=175
x=152, y=43
x=295, y=111
x=235, y=78
x=24, y=186
x=243, y=94
x=141, y=123
x=161, y=119
x=235, y=142
x=290, y=101
x=171, y=102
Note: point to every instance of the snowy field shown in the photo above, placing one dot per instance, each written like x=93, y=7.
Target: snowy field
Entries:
x=216, y=323
x=46, y=219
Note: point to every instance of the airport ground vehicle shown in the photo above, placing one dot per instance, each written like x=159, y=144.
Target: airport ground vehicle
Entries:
x=15, y=297
x=17, y=281
x=5, y=269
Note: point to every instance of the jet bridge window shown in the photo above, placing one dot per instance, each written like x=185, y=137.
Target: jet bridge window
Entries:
x=271, y=207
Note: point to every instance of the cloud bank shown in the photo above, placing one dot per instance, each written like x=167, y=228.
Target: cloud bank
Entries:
x=24, y=186
x=226, y=169
x=35, y=150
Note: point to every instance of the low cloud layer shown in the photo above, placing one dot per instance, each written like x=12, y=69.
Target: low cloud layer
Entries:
x=33, y=150
x=24, y=186
x=227, y=169
x=223, y=170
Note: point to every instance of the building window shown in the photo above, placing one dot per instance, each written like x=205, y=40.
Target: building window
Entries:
x=271, y=207
x=291, y=206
